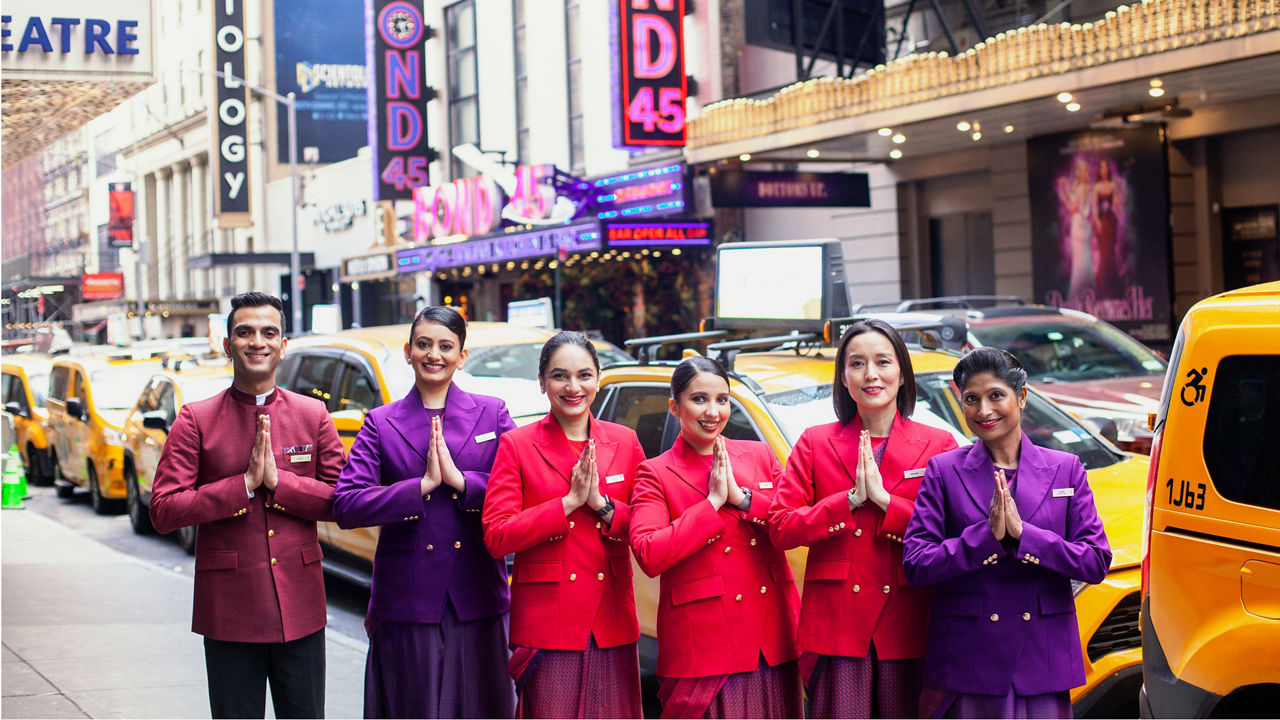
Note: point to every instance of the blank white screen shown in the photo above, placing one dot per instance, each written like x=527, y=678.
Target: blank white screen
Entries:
x=770, y=282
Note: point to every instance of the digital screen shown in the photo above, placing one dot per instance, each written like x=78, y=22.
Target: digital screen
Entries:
x=770, y=282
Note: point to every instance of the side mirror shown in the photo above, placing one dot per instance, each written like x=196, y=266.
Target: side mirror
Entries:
x=75, y=408
x=1106, y=427
x=155, y=421
x=14, y=408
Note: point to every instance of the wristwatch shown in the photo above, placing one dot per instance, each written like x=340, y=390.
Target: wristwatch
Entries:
x=854, y=500
x=745, y=505
x=607, y=508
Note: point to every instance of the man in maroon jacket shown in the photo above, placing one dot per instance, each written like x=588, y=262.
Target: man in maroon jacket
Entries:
x=254, y=469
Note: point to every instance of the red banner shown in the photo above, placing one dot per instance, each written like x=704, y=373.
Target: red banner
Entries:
x=120, y=223
x=102, y=286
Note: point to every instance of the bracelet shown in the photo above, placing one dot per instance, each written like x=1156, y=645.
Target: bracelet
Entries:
x=854, y=501
x=745, y=505
x=605, y=509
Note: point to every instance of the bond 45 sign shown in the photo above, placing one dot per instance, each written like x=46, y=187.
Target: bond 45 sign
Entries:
x=397, y=95
x=652, y=85
x=230, y=112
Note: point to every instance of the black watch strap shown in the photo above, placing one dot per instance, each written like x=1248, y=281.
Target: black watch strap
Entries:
x=608, y=508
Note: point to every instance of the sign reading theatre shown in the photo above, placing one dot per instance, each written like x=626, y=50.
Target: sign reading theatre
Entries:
x=397, y=95
x=231, y=155
x=652, y=85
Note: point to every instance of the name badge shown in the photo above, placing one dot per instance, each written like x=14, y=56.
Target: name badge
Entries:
x=300, y=458
x=918, y=472
x=1064, y=492
x=486, y=437
x=614, y=479
x=766, y=485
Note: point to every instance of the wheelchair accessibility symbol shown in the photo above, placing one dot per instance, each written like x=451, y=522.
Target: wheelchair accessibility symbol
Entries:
x=1194, y=384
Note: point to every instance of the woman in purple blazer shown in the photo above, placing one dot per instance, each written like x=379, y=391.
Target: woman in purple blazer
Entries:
x=1002, y=527
x=438, y=607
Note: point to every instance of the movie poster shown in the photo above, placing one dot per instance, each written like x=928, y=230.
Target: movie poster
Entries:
x=1100, y=227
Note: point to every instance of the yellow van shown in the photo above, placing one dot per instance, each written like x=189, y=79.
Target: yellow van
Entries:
x=87, y=403
x=26, y=377
x=1211, y=540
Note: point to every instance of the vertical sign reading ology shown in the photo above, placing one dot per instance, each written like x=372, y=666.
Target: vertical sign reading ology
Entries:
x=396, y=97
x=231, y=155
x=652, y=85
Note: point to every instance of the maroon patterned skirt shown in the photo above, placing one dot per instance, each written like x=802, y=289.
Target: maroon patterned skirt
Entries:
x=450, y=669
x=863, y=687
x=592, y=683
x=766, y=692
x=944, y=704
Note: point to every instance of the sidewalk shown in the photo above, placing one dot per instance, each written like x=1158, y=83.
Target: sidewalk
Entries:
x=91, y=632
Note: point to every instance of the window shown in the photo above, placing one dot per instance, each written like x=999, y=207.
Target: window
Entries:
x=357, y=391
x=574, y=69
x=58, y=383
x=464, y=89
x=316, y=374
x=522, y=84
x=1241, y=428
x=643, y=408
x=108, y=257
x=14, y=392
x=167, y=403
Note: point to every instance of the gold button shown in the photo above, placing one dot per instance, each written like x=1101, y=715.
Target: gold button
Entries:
x=570, y=524
x=271, y=533
x=857, y=533
x=573, y=576
x=753, y=542
x=273, y=562
x=727, y=549
x=430, y=548
x=711, y=540
x=830, y=529
x=599, y=576
x=597, y=526
x=1026, y=616
x=857, y=588
x=455, y=496
x=841, y=526
x=994, y=617
x=885, y=589
x=457, y=543
x=428, y=497
x=739, y=598
x=763, y=589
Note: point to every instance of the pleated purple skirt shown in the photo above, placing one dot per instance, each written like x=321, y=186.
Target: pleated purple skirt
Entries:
x=766, y=692
x=865, y=687
x=451, y=669
x=945, y=704
x=593, y=683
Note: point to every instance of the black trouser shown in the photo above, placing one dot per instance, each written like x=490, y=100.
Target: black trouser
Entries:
x=238, y=673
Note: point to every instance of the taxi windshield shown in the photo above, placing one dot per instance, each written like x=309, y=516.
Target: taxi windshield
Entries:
x=194, y=389
x=1068, y=351
x=117, y=388
x=799, y=409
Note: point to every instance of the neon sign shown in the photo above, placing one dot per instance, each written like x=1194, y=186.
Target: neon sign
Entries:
x=397, y=94
x=652, y=83
x=474, y=206
x=642, y=193
x=658, y=234
x=500, y=248
x=230, y=112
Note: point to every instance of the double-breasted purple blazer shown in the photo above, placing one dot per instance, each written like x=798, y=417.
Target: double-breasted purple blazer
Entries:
x=430, y=548
x=1004, y=613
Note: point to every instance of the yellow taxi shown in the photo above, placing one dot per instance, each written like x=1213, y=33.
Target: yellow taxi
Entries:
x=357, y=370
x=147, y=427
x=1211, y=546
x=87, y=402
x=776, y=395
x=26, y=378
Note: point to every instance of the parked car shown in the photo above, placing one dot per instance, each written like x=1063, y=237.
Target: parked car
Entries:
x=87, y=403
x=775, y=396
x=354, y=371
x=1089, y=367
x=26, y=378
x=1211, y=544
x=147, y=427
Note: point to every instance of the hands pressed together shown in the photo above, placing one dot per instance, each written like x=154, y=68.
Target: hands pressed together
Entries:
x=584, y=485
x=869, y=485
x=262, y=461
x=723, y=487
x=1002, y=514
x=440, y=467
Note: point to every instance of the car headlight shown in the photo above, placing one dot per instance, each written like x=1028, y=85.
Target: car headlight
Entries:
x=113, y=436
x=1078, y=586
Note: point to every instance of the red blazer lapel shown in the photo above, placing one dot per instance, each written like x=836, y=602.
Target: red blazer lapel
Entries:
x=906, y=446
x=554, y=447
x=844, y=446
x=688, y=466
x=606, y=452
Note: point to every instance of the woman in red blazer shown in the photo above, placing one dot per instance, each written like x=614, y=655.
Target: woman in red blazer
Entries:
x=557, y=498
x=727, y=607
x=848, y=492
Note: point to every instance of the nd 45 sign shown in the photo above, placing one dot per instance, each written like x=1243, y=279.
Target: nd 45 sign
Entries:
x=405, y=173
x=652, y=84
x=667, y=116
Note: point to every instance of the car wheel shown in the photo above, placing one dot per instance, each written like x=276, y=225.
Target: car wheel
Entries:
x=101, y=505
x=65, y=488
x=35, y=473
x=187, y=538
x=139, y=514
